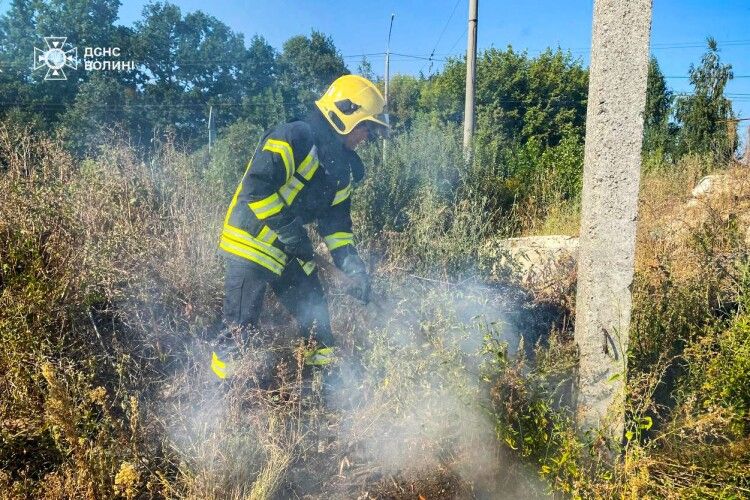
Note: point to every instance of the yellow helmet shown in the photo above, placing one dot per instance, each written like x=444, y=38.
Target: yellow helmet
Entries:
x=350, y=100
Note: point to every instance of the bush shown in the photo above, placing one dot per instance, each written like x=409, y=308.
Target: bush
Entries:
x=231, y=154
x=104, y=273
x=425, y=157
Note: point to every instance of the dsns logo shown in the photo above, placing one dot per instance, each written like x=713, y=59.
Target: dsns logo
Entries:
x=55, y=58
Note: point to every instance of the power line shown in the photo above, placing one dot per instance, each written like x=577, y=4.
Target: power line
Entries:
x=703, y=43
x=680, y=45
x=453, y=11
x=685, y=77
x=359, y=56
x=429, y=58
x=126, y=105
x=449, y=54
x=444, y=28
x=694, y=45
x=456, y=42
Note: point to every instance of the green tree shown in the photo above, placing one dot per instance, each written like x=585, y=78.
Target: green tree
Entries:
x=555, y=106
x=518, y=98
x=404, y=95
x=188, y=64
x=308, y=66
x=85, y=23
x=262, y=99
x=442, y=96
x=232, y=152
x=657, y=131
x=365, y=69
x=706, y=115
x=17, y=36
x=531, y=115
x=101, y=105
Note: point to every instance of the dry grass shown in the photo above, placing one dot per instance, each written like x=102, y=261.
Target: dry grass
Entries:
x=110, y=287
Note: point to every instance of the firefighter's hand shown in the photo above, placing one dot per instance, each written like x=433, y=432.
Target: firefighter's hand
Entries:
x=355, y=269
x=295, y=241
x=360, y=287
x=301, y=249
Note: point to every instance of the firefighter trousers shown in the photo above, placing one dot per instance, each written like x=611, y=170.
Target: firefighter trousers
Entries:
x=302, y=295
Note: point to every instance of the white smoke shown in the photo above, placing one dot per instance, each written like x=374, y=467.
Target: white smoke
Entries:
x=409, y=403
x=418, y=402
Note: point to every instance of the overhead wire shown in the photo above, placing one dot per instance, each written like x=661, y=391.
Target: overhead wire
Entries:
x=686, y=77
x=447, y=23
x=466, y=29
x=680, y=45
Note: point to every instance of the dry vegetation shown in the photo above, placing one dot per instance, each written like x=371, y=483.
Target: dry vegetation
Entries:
x=453, y=387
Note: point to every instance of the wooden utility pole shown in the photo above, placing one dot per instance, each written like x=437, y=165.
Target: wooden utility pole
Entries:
x=611, y=177
x=387, y=82
x=471, y=77
x=747, y=147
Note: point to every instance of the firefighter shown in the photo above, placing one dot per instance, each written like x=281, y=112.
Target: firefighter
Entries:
x=301, y=173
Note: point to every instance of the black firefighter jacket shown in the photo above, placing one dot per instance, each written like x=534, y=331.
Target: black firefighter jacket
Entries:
x=299, y=170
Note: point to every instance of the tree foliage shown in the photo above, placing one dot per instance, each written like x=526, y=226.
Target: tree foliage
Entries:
x=186, y=65
x=308, y=66
x=705, y=117
x=190, y=63
x=518, y=97
x=658, y=132
x=24, y=26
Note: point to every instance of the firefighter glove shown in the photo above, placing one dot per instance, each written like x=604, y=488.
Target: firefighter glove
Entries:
x=295, y=240
x=360, y=280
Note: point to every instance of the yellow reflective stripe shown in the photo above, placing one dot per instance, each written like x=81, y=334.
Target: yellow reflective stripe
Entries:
x=337, y=240
x=237, y=193
x=267, y=235
x=243, y=238
x=289, y=190
x=285, y=151
x=267, y=206
x=257, y=256
x=251, y=254
x=342, y=194
x=309, y=165
x=319, y=357
x=218, y=366
x=308, y=267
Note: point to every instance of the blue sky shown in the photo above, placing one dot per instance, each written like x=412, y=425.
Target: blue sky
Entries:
x=421, y=27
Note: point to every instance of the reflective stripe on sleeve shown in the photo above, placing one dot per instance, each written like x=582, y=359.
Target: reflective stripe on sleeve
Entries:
x=337, y=240
x=267, y=206
x=309, y=165
x=342, y=194
x=290, y=190
x=267, y=235
x=284, y=150
x=307, y=267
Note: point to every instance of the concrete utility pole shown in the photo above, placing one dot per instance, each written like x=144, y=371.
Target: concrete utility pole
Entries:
x=471, y=77
x=210, y=124
x=747, y=147
x=611, y=176
x=387, y=80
